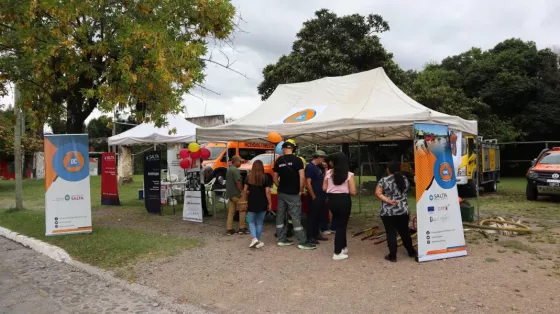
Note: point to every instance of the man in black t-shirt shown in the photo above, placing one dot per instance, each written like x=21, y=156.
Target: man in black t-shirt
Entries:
x=290, y=180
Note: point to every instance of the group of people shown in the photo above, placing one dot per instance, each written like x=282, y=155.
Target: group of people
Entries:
x=329, y=183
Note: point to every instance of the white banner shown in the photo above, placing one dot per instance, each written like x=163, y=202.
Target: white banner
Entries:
x=440, y=229
x=67, y=188
x=192, y=207
x=173, y=164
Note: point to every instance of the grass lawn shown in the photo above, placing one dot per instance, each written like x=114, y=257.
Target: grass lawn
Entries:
x=109, y=247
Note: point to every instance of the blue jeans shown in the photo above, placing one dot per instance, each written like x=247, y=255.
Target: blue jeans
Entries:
x=256, y=221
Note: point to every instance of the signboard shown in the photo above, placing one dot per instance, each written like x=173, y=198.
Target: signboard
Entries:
x=173, y=164
x=67, y=189
x=192, y=207
x=440, y=229
x=109, y=188
x=152, y=182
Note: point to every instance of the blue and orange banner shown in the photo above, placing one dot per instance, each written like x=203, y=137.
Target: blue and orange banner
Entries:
x=440, y=229
x=109, y=188
x=67, y=187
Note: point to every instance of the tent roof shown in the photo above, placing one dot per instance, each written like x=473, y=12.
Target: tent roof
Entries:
x=364, y=107
x=148, y=133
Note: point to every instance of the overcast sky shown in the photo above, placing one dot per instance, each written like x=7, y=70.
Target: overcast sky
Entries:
x=421, y=31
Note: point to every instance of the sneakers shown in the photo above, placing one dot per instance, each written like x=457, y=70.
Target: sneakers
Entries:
x=345, y=251
x=327, y=232
x=307, y=246
x=260, y=245
x=339, y=257
x=313, y=241
x=254, y=243
x=285, y=243
x=230, y=232
x=243, y=231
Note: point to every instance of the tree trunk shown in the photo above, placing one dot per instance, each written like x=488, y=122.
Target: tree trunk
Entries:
x=17, y=151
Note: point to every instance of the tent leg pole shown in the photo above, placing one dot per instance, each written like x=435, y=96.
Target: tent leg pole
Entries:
x=478, y=152
x=359, y=179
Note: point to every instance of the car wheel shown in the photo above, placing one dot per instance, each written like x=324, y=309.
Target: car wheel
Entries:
x=531, y=193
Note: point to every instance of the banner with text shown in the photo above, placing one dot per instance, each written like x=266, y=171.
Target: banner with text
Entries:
x=173, y=164
x=109, y=187
x=67, y=188
x=440, y=229
x=192, y=207
x=152, y=182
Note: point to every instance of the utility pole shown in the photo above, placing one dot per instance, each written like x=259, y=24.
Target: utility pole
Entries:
x=17, y=150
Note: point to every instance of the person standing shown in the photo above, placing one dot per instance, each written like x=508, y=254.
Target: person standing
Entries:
x=205, y=177
x=290, y=180
x=392, y=190
x=233, y=194
x=257, y=194
x=317, y=198
x=339, y=185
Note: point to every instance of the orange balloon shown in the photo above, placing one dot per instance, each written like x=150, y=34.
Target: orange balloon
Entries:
x=274, y=137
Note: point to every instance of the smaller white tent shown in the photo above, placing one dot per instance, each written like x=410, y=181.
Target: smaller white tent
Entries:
x=148, y=133
x=365, y=107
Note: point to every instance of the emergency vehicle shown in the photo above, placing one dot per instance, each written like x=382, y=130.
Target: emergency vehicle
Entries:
x=471, y=176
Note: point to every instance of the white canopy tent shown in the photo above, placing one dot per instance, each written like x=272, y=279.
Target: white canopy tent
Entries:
x=148, y=133
x=362, y=107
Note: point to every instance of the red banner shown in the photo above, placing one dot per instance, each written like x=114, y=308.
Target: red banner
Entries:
x=109, y=189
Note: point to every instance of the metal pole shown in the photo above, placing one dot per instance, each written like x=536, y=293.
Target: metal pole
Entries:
x=478, y=152
x=359, y=176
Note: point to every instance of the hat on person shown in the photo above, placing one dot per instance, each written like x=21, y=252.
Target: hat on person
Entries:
x=236, y=158
x=288, y=144
x=319, y=153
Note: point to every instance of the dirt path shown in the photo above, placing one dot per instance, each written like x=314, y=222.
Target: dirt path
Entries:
x=227, y=277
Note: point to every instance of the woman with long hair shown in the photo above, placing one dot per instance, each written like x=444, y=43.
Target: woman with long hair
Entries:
x=339, y=185
x=257, y=194
x=392, y=190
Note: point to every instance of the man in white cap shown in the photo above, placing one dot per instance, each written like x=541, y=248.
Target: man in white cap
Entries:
x=290, y=180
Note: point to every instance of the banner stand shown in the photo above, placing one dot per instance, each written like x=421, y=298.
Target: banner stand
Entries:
x=440, y=228
x=152, y=182
x=67, y=186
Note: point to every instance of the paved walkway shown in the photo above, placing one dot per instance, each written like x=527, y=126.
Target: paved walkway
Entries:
x=33, y=283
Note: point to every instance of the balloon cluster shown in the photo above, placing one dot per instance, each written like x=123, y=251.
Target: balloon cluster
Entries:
x=276, y=138
x=193, y=152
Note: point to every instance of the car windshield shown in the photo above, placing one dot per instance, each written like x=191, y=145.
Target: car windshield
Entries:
x=550, y=159
x=215, y=152
x=265, y=158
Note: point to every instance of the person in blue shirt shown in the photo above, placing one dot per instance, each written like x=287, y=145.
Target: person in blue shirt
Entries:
x=314, y=174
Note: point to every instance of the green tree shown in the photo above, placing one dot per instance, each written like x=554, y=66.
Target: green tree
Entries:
x=70, y=57
x=512, y=89
x=329, y=45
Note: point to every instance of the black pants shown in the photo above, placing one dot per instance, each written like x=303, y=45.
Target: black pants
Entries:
x=394, y=224
x=341, y=206
x=203, y=199
x=316, y=209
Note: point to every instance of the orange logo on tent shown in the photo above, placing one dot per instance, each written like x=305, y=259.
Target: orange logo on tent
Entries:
x=301, y=116
x=445, y=171
x=73, y=161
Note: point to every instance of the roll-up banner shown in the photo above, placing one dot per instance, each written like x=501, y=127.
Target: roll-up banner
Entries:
x=109, y=187
x=192, y=207
x=152, y=182
x=440, y=229
x=67, y=188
